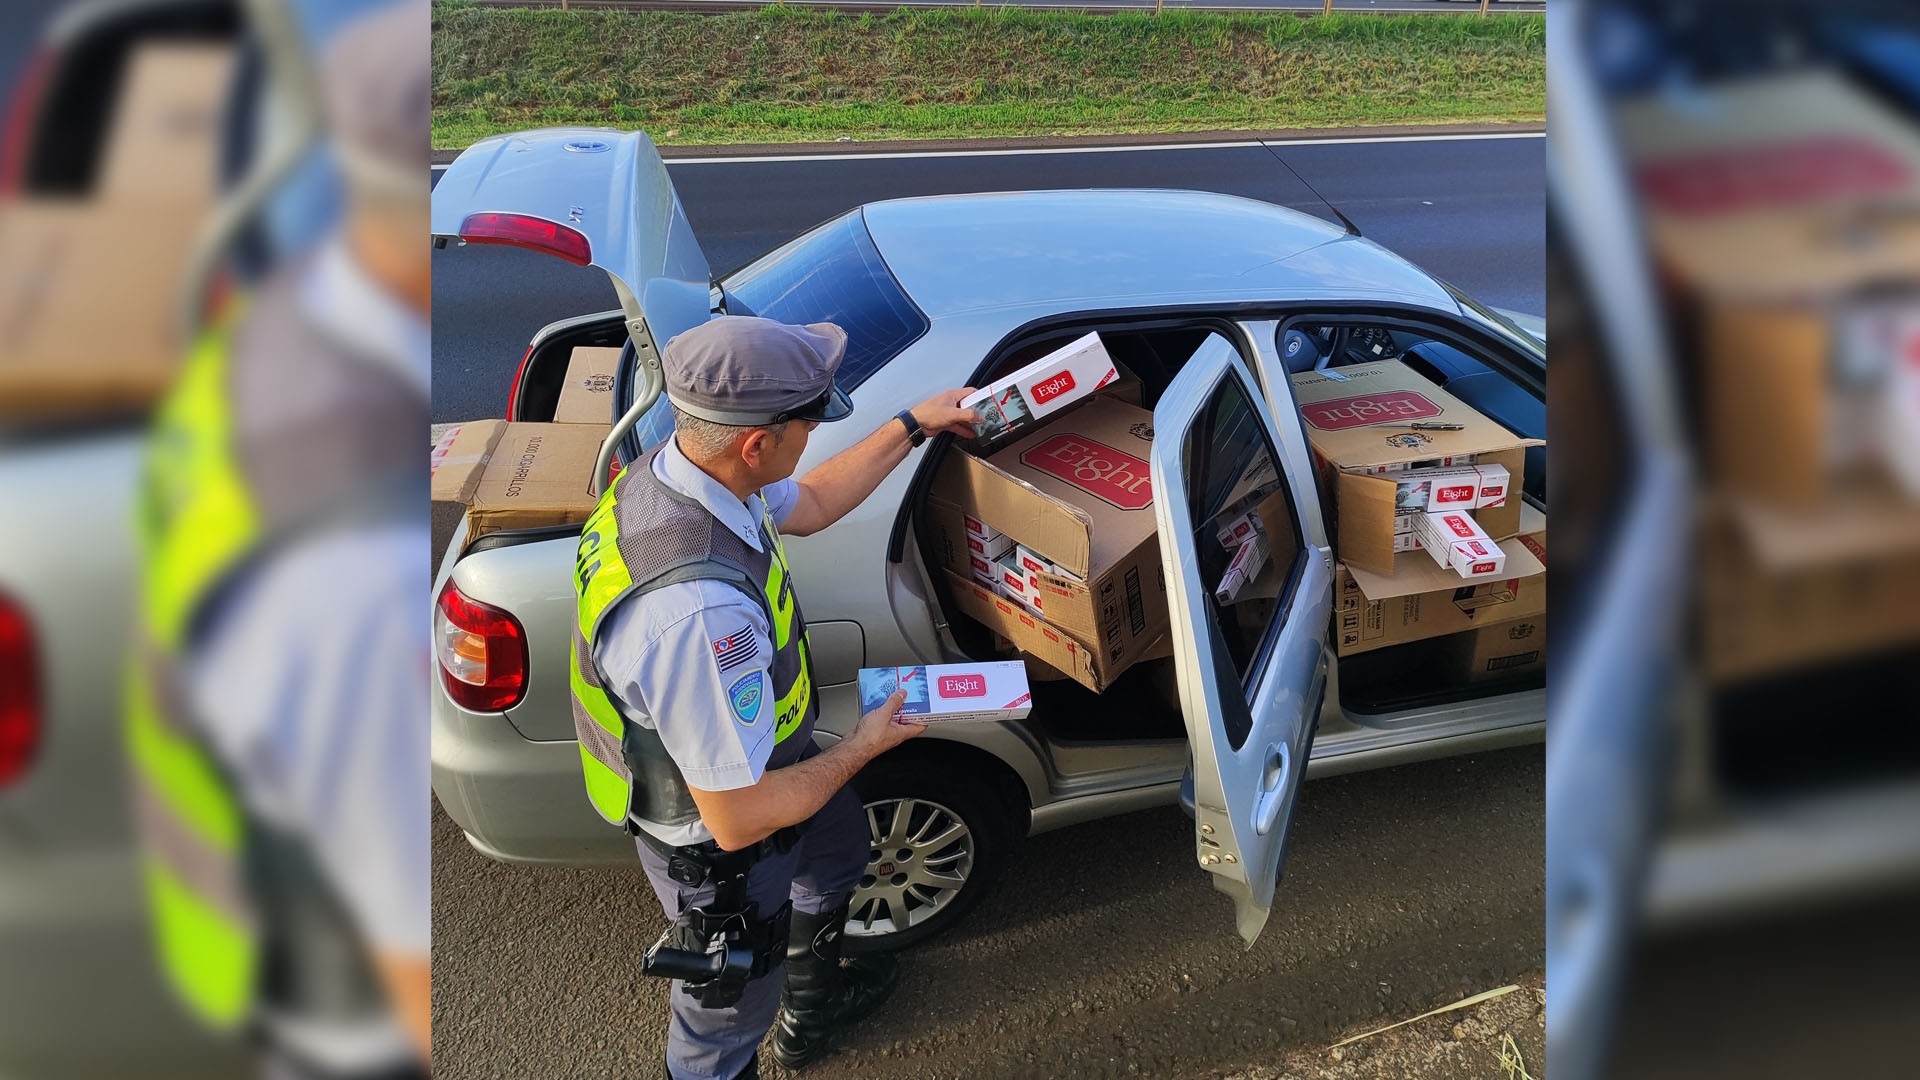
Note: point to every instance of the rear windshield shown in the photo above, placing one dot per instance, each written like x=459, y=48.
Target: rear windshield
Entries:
x=833, y=274
x=830, y=274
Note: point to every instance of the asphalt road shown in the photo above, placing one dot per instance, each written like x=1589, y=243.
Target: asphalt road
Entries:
x=1102, y=951
x=1471, y=211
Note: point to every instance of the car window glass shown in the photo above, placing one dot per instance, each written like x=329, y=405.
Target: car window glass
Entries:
x=833, y=274
x=1244, y=529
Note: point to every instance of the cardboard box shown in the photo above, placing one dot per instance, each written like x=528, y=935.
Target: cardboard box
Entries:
x=164, y=146
x=586, y=397
x=90, y=288
x=1780, y=590
x=1770, y=201
x=1039, y=639
x=1501, y=651
x=89, y=311
x=1079, y=491
x=513, y=476
x=1454, y=540
x=993, y=690
x=1419, y=600
x=1042, y=388
x=1357, y=424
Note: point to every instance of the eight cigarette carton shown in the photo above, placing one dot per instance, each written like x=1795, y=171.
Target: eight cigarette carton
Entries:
x=1457, y=542
x=1043, y=387
x=992, y=690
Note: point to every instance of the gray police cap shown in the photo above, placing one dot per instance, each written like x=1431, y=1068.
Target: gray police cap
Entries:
x=747, y=371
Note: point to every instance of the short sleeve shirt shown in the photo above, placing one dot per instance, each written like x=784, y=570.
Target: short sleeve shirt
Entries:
x=675, y=657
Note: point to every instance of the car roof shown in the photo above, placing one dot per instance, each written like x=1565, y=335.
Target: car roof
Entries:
x=1075, y=249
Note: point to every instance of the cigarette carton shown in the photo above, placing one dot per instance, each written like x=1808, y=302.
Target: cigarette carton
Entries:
x=1248, y=560
x=1454, y=540
x=1017, y=581
x=1405, y=542
x=992, y=549
x=1435, y=490
x=1236, y=529
x=1030, y=561
x=1043, y=387
x=994, y=690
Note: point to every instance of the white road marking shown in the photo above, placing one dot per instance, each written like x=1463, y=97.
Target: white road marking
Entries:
x=890, y=155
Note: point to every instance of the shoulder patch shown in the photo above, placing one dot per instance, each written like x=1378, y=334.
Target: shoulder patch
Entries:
x=745, y=696
x=736, y=648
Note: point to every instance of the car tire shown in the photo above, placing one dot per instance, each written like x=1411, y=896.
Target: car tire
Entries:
x=936, y=795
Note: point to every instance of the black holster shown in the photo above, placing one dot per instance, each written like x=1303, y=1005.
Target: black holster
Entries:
x=717, y=949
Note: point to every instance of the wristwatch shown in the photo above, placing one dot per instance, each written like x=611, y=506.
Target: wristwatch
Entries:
x=915, y=433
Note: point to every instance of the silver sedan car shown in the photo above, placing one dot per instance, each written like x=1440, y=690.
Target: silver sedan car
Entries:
x=1210, y=301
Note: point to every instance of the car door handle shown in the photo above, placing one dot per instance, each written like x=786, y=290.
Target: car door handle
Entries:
x=1273, y=788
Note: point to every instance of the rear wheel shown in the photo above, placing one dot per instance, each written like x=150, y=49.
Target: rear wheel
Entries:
x=937, y=837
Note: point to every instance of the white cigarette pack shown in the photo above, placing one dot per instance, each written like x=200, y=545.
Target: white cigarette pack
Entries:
x=1456, y=541
x=1403, y=521
x=1248, y=560
x=1453, y=461
x=1405, y=541
x=1434, y=490
x=1236, y=529
x=976, y=527
x=988, y=548
x=993, y=690
x=1017, y=581
x=1045, y=386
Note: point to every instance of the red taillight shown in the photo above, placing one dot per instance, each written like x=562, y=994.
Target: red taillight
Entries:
x=19, y=693
x=19, y=122
x=520, y=230
x=482, y=653
x=513, y=395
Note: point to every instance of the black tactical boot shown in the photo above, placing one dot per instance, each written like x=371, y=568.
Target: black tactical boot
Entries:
x=823, y=996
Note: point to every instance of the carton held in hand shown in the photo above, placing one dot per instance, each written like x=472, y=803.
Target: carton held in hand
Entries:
x=1043, y=387
x=992, y=690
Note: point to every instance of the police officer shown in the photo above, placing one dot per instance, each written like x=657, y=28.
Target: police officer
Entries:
x=694, y=694
x=276, y=735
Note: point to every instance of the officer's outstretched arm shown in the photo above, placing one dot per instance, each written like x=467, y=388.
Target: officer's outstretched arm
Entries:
x=742, y=817
x=844, y=481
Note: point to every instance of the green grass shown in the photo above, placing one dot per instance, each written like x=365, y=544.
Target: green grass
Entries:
x=789, y=75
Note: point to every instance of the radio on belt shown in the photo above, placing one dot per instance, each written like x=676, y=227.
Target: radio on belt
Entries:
x=991, y=690
x=1045, y=386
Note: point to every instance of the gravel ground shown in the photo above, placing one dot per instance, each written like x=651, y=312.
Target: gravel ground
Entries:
x=1102, y=951
x=1467, y=1044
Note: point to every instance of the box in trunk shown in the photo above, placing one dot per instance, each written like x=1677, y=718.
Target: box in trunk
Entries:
x=586, y=397
x=500, y=475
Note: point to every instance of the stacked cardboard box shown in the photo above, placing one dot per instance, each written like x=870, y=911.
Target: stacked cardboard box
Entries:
x=1080, y=587
x=90, y=288
x=1782, y=210
x=586, y=395
x=1433, y=537
x=1391, y=445
x=499, y=475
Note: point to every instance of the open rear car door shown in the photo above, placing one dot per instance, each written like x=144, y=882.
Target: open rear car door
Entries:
x=595, y=197
x=1250, y=626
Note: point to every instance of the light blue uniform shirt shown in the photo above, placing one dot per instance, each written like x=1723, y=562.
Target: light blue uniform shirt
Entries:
x=670, y=656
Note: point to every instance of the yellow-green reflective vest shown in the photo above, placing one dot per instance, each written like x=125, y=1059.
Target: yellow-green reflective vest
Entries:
x=196, y=521
x=644, y=536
